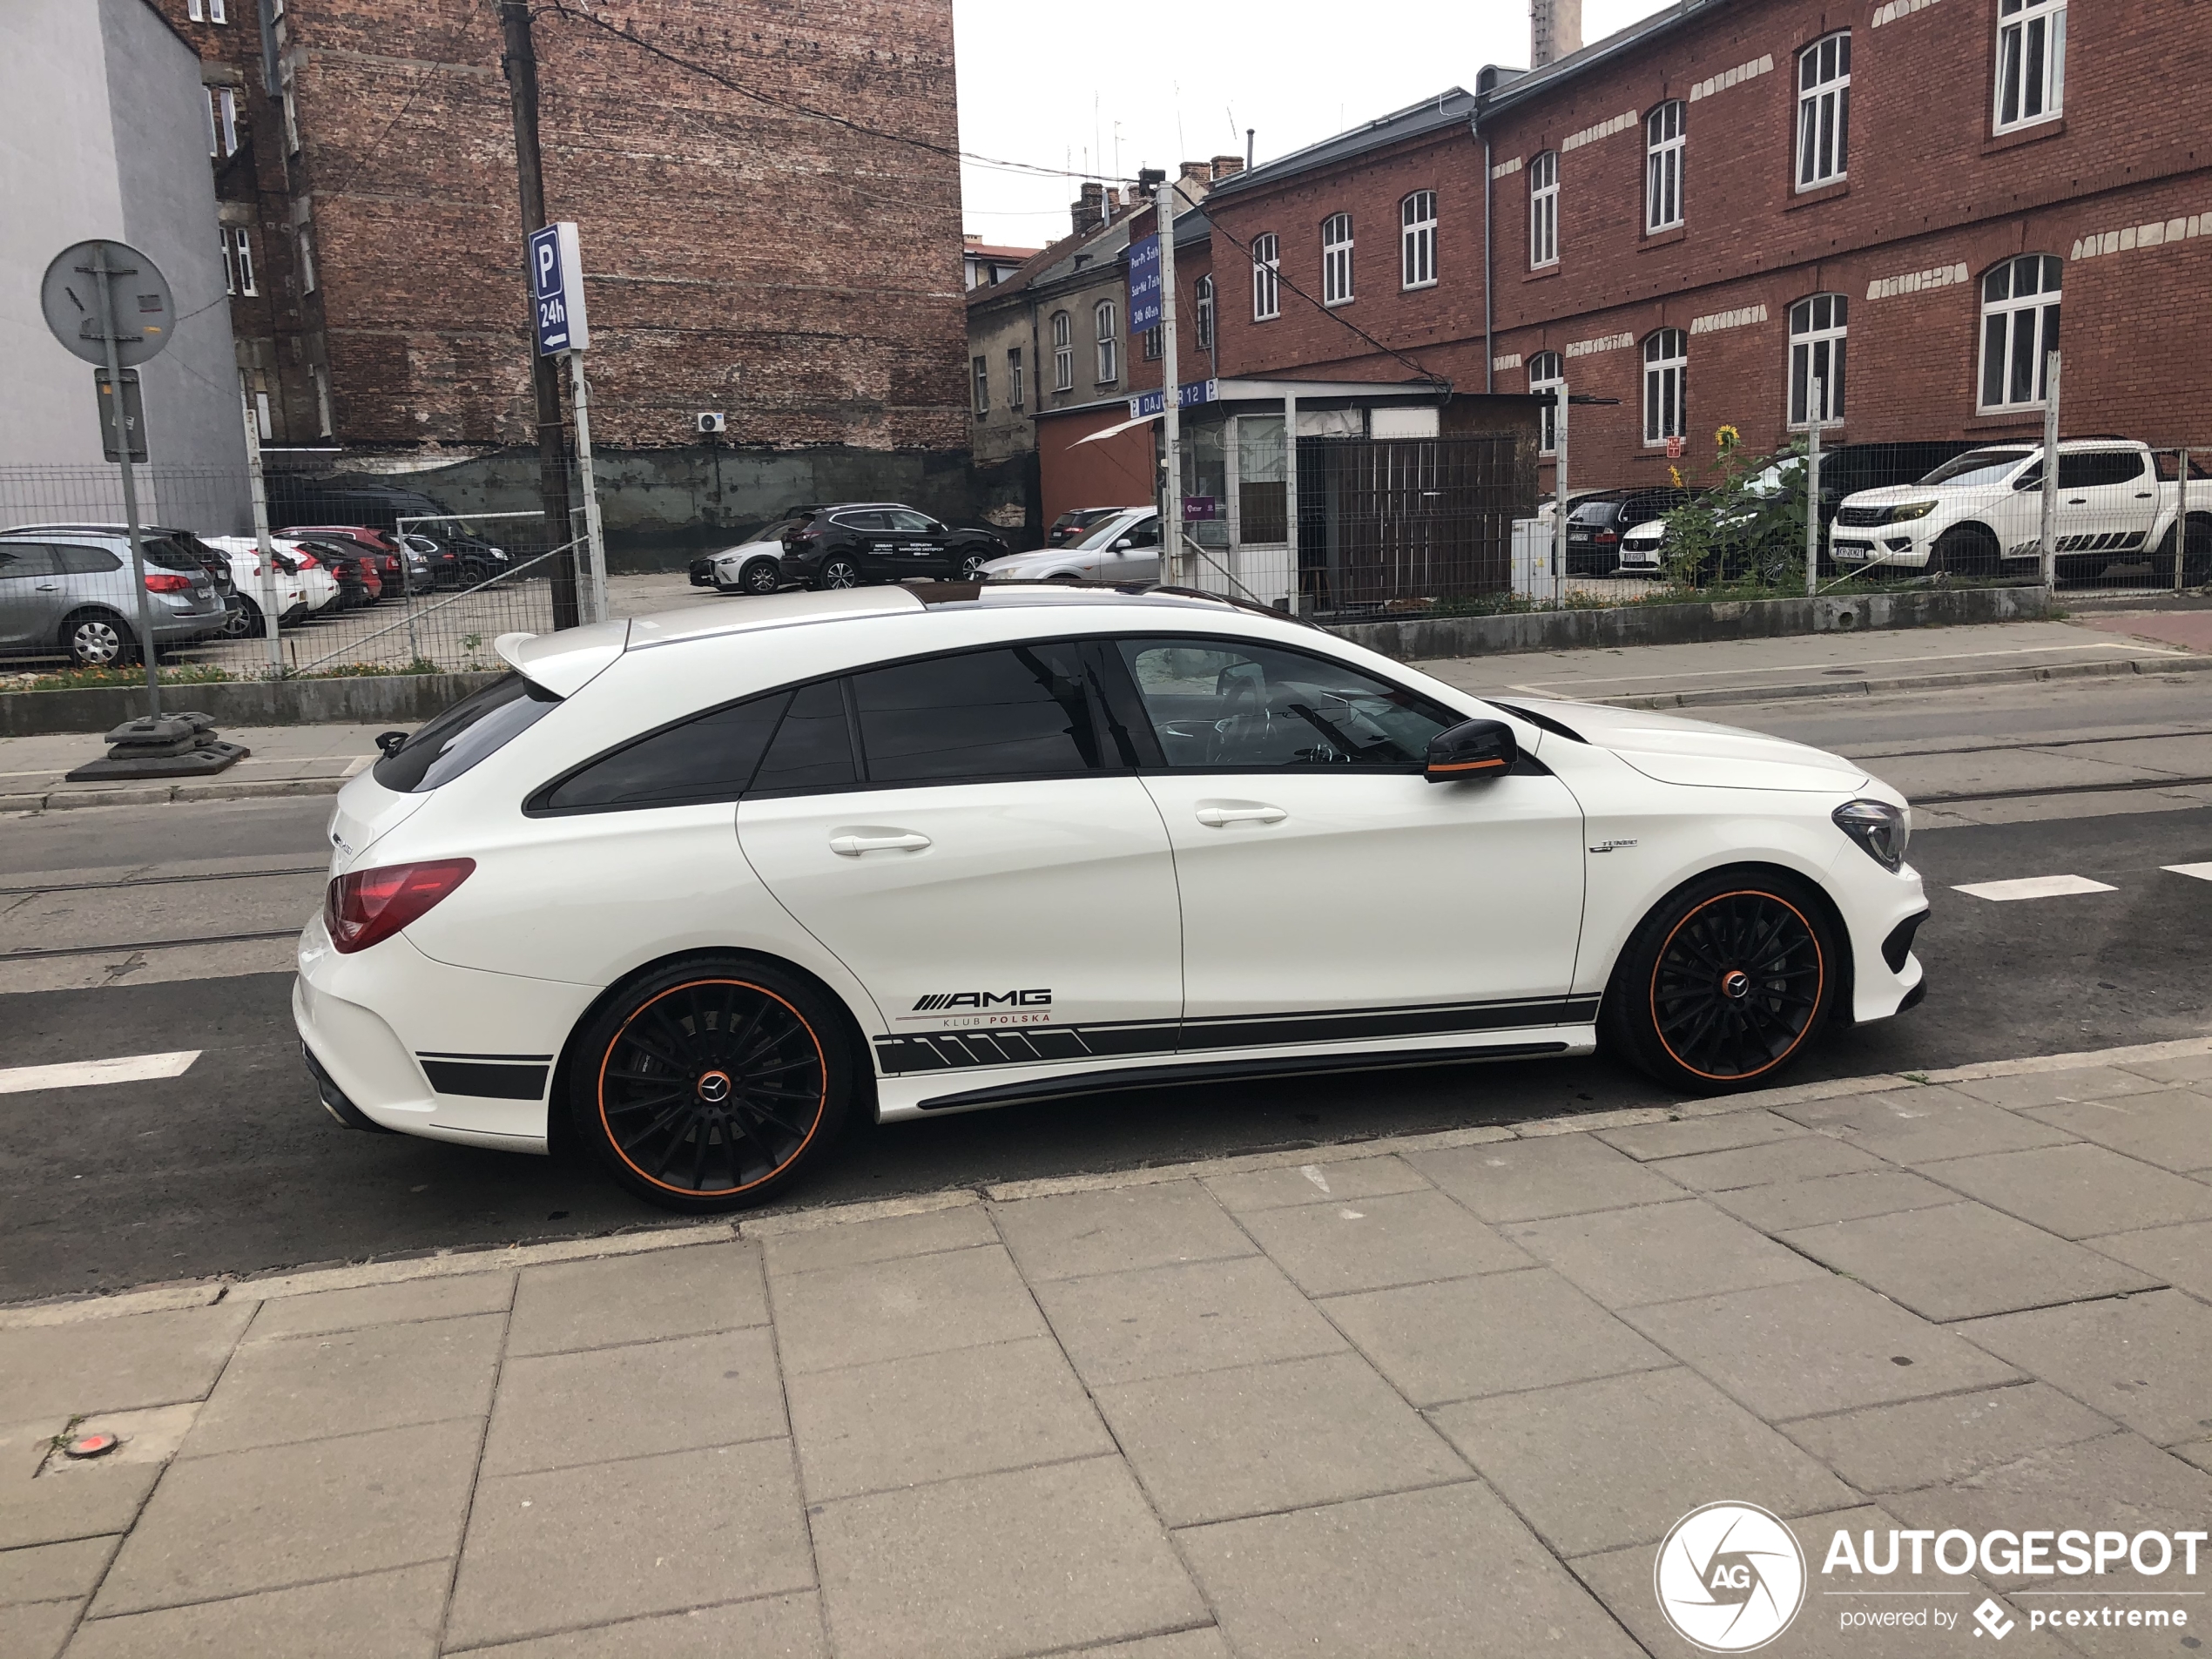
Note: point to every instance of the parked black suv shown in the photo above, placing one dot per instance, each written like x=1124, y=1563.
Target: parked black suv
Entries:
x=1596, y=521
x=855, y=542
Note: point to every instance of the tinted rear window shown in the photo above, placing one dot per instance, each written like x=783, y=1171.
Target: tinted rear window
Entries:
x=707, y=759
x=813, y=748
x=472, y=729
x=1017, y=711
x=75, y=559
x=169, y=553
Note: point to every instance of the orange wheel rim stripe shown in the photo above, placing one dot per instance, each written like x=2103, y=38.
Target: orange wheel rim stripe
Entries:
x=1819, y=960
x=607, y=1059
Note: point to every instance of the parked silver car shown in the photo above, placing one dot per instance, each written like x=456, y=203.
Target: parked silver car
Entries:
x=71, y=595
x=1125, y=548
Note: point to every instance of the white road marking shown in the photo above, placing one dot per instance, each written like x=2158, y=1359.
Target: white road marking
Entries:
x=2034, y=886
x=359, y=764
x=2202, y=872
x=81, y=1073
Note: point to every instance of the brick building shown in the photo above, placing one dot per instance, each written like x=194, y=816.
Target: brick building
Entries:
x=1700, y=213
x=795, y=273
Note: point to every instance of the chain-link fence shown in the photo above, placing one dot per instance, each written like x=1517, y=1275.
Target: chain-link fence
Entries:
x=362, y=577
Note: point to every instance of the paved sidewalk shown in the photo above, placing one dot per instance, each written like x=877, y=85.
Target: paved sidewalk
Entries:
x=1439, y=1395
x=285, y=761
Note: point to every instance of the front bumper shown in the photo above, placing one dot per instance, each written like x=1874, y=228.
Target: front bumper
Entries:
x=1855, y=547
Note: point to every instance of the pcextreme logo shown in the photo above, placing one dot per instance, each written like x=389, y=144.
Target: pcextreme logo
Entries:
x=1729, y=1577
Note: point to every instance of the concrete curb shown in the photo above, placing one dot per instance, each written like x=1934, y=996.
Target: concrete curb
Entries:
x=1427, y=639
x=500, y=1258
x=349, y=699
x=163, y=794
x=2179, y=662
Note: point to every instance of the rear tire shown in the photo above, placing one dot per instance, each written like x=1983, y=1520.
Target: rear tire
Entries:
x=1724, y=983
x=99, y=639
x=711, y=1084
x=2196, y=552
x=838, y=572
x=244, y=621
x=1966, y=550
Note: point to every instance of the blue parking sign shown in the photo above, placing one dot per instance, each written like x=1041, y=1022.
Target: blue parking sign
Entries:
x=1144, y=309
x=557, y=287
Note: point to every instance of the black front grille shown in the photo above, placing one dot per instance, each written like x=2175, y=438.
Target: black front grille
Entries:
x=1862, y=516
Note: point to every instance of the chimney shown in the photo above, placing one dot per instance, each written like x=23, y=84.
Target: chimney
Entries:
x=1554, y=30
x=1226, y=167
x=1089, y=211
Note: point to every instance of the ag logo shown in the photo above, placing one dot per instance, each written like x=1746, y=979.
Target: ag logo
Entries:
x=1729, y=1577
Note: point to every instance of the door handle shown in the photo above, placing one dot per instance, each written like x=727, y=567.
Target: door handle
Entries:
x=852, y=844
x=2077, y=501
x=1215, y=817
x=2142, y=495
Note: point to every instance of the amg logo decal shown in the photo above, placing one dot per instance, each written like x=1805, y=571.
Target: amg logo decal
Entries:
x=938, y=1001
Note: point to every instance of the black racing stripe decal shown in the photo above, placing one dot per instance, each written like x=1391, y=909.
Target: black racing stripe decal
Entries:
x=486, y=1082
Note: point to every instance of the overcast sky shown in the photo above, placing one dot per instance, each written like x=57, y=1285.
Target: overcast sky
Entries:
x=1076, y=87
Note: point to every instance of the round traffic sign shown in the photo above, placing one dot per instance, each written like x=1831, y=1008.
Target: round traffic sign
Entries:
x=145, y=314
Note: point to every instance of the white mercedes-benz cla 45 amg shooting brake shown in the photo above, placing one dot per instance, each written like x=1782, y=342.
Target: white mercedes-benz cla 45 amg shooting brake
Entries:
x=695, y=890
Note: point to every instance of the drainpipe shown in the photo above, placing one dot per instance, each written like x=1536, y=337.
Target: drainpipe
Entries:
x=1489, y=351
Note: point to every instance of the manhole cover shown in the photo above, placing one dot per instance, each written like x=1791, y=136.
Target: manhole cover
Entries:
x=86, y=1446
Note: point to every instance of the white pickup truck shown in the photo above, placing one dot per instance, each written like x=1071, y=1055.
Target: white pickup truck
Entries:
x=1982, y=514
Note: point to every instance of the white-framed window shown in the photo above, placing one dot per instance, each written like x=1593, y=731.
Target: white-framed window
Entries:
x=1546, y=370
x=1063, y=352
x=1543, y=210
x=1335, y=260
x=1013, y=389
x=1267, y=264
x=240, y=257
x=320, y=378
x=981, y=368
x=261, y=420
x=1666, y=385
x=230, y=272
x=1417, y=240
x=1105, y=325
x=1816, y=353
x=307, y=259
x=2020, y=328
x=214, y=142
x=2031, y=62
x=207, y=11
x=1665, y=132
x=1203, y=307
x=1153, y=339
x=222, y=121
x=1823, y=110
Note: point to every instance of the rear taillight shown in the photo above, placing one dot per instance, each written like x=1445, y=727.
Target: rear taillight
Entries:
x=1607, y=536
x=365, y=906
x=161, y=581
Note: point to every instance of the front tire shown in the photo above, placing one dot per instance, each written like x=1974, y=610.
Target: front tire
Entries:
x=761, y=576
x=242, y=622
x=1724, y=983
x=971, y=566
x=1967, y=550
x=711, y=1084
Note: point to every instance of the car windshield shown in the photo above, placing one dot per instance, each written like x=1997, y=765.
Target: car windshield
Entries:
x=1112, y=530
x=1978, y=467
x=1593, y=512
x=1771, y=480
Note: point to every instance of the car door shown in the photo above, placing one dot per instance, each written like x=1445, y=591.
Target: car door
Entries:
x=919, y=545
x=954, y=831
x=27, y=582
x=1330, y=892
x=2107, y=500
x=1133, y=555
x=84, y=574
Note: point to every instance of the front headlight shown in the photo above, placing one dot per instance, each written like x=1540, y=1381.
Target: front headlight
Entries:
x=1910, y=509
x=1884, y=831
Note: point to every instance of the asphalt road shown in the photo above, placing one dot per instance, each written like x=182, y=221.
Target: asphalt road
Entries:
x=233, y=1167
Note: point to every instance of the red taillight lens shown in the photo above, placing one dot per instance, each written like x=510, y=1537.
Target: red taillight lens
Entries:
x=363, y=906
x=163, y=583
x=1607, y=536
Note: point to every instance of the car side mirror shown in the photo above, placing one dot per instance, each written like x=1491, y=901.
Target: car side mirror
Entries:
x=1471, y=749
x=1124, y=545
x=390, y=742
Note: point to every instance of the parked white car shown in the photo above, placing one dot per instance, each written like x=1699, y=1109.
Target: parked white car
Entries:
x=300, y=592
x=751, y=567
x=1125, y=548
x=700, y=886
x=1982, y=514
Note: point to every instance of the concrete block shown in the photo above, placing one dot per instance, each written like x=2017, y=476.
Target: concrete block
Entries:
x=67, y=1572
x=1258, y=1439
x=598, y=1303
x=2172, y=1129
x=1126, y=1327
x=37, y=1630
x=618, y=1540
x=1338, y=1182
x=1689, y=1136
x=939, y=1416
x=1658, y=1253
x=557, y=1410
x=2142, y=1360
x=1466, y=1336
x=770, y=1626
x=1204, y=1643
x=1118, y=1230
x=116, y=1364
x=996, y=1565
x=854, y=1316
x=2078, y=1190
x=2056, y=1087
x=1400, y=1239
x=1447, y=1572
x=1921, y=1125
x=96, y=1498
x=1822, y=1344
x=892, y=1239
x=1789, y=1204
x=2178, y=1256
x=1963, y=1260
x=321, y=1311
x=377, y=1615
x=1562, y=1175
x=1948, y=1440
x=1805, y=1158
x=1592, y=1465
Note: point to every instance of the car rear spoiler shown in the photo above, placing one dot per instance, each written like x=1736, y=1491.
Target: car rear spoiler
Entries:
x=566, y=661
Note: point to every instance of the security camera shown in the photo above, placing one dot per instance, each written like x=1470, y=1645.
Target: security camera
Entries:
x=713, y=420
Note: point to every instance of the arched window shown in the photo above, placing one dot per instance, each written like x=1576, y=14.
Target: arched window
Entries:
x=1063, y=354
x=1543, y=210
x=1267, y=260
x=1664, y=132
x=1817, y=355
x=1417, y=240
x=1335, y=260
x=1823, y=110
x=1105, y=320
x=2020, y=328
x=1666, y=385
x=1203, y=307
x=1546, y=370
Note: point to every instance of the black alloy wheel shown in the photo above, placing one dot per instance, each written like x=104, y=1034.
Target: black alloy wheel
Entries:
x=99, y=639
x=838, y=572
x=708, y=1084
x=762, y=576
x=1723, y=983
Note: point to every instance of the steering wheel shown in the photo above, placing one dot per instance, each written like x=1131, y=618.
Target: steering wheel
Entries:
x=1231, y=737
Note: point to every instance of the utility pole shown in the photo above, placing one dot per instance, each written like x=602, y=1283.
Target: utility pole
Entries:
x=1180, y=568
x=519, y=64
